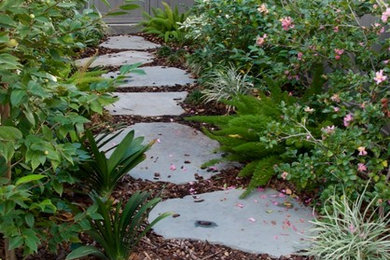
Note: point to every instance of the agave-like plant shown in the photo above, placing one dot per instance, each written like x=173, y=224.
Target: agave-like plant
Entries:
x=101, y=174
x=119, y=230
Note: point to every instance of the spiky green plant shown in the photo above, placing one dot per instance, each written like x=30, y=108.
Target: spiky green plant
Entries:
x=119, y=229
x=165, y=23
x=225, y=83
x=101, y=174
x=350, y=230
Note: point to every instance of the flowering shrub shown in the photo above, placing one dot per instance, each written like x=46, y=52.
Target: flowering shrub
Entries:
x=337, y=64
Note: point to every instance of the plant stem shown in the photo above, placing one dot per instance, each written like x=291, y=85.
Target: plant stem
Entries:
x=4, y=115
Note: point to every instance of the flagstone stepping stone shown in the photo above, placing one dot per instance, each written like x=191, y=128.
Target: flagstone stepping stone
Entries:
x=177, y=154
x=118, y=59
x=128, y=42
x=261, y=223
x=148, y=104
x=157, y=76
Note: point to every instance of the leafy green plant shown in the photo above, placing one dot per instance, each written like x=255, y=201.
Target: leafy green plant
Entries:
x=165, y=23
x=225, y=83
x=101, y=174
x=118, y=230
x=350, y=230
x=239, y=135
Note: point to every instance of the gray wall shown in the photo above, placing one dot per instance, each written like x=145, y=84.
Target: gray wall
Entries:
x=136, y=15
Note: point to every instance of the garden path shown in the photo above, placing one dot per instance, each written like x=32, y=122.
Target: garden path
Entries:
x=265, y=222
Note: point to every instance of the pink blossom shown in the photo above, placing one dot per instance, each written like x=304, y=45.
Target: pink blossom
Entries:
x=336, y=29
x=300, y=54
x=172, y=167
x=261, y=40
x=253, y=220
x=337, y=57
x=240, y=205
x=362, y=167
x=386, y=15
x=329, y=129
x=263, y=9
x=336, y=109
x=352, y=228
x=379, y=77
x=335, y=98
x=284, y=175
x=158, y=140
x=287, y=23
x=339, y=51
x=347, y=119
x=362, y=151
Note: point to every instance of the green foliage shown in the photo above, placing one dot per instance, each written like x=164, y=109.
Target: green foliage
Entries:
x=165, y=23
x=225, y=83
x=350, y=230
x=240, y=134
x=118, y=230
x=101, y=174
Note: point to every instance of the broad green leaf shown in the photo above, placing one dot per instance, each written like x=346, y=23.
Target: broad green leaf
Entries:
x=129, y=7
x=85, y=251
x=17, y=97
x=6, y=20
x=29, y=178
x=116, y=13
x=9, y=133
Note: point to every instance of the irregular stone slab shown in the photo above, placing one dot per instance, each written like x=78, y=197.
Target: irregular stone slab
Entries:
x=258, y=224
x=148, y=104
x=176, y=156
x=118, y=59
x=128, y=42
x=157, y=76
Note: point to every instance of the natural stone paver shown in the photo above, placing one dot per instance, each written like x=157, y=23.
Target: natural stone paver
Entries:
x=148, y=104
x=258, y=224
x=128, y=42
x=157, y=76
x=176, y=156
x=118, y=59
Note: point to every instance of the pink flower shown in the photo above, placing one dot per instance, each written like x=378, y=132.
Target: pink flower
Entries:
x=379, y=77
x=362, y=151
x=347, y=119
x=329, y=129
x=337, y=57
x=261, y=40
x=287, y=23
x=336, y=109
x=386, y=15
x=336, y=29
x=253, y=220
x=300, y=55
x=284, y=175
x=263, y=9
x=240, y=205
x=339, y=51
x=172, y=167
x=335, y=98
x=362, y=167
x=352, y=228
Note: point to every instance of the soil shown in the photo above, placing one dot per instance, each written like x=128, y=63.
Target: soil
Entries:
x=154, y=247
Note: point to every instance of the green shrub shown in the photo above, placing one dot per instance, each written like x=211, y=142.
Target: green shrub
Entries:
x=165, y=23
x=44, y=103
x=240, y=135
x=350, y=230
x=118, y=230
